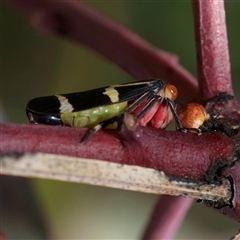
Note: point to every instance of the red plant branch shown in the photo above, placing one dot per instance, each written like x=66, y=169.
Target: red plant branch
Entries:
x=181, y=155
x=2, y=237
x=78, y=22
x=212, y=48
x=173, y=157
x=167, y=215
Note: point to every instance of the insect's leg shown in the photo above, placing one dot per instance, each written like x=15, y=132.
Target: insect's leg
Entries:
x=136, y=103
x=196, y=130
x=99, y=126
x=149, y=105
x=178, y=122
x=90, y=132
x=174, y=113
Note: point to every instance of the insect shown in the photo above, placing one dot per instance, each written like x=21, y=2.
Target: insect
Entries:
x=150, y=101
x=193, y=116
x=196, y=119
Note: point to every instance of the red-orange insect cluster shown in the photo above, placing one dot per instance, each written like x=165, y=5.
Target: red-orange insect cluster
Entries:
x=193, y=115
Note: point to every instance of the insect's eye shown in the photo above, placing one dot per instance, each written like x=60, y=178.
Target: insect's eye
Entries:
x=171, y=92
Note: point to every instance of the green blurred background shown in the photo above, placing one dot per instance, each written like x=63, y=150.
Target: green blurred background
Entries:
x=33, y=65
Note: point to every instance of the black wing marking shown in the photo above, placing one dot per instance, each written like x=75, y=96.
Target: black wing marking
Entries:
x=94, y=98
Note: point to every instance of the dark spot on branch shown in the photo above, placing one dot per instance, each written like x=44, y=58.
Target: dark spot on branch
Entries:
x=231, y=200
x=223, y=96
x=14, y=155
x=214, y=173
x=215, y=204
x=184, y=180
x=224, y=105
x=229, y=127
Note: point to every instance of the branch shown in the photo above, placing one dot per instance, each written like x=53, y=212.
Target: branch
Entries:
x=77, y=22
x=136, y=147
x=184, y=170
x=166, y=218
x=140, y=146
x=212, y=48
x=102, y=173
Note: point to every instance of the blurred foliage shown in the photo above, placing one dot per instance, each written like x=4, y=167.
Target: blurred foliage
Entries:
x=35, y=65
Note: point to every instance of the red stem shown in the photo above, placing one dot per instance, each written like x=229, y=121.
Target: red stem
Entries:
x=212, y=48
x=123, y=47
x=180, y=154
x=2, y=237
x=78, y=22
x=167, y=216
